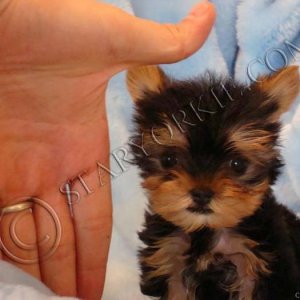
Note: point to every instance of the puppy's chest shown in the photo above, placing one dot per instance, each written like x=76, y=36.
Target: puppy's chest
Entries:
x=232, y=256
x=226, y=245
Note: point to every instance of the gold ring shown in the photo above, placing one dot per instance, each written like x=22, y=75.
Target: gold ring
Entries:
x=16, y=207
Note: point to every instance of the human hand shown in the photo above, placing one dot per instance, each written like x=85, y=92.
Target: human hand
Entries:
x=56, y=57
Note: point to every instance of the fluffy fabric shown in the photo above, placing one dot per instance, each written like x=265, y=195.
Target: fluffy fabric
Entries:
x=226, y=31
x=16, y=284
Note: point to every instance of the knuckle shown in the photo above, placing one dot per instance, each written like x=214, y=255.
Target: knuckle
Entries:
x=177, y=41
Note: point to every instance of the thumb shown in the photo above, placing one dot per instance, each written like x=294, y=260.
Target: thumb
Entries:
x=148, y=42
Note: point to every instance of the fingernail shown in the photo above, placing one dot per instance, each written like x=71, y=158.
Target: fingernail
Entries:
x=201, y=8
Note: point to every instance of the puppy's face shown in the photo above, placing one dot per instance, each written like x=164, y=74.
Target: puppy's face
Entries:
x=207, y=149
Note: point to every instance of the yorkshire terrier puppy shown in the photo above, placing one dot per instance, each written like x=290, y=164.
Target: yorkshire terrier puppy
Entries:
x=208, y=152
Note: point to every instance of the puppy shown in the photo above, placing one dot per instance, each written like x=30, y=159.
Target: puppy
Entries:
x=208, y=153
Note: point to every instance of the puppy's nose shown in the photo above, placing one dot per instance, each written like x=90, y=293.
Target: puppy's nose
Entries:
x=202, y=197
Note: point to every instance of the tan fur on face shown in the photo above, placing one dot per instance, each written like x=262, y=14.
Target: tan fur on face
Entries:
x=230, y=204
x=253, y=143
x=171, y=199
x=233, y=202
x=257, y=146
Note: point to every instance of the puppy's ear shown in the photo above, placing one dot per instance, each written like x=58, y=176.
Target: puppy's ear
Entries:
x=141, y=80
x=282, y=87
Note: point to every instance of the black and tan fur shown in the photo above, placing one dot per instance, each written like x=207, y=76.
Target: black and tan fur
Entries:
x=208, y=154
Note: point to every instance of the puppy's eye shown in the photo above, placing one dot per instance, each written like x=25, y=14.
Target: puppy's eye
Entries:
x=168, y=160
x=239, y=165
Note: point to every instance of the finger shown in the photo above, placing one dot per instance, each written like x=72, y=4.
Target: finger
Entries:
x=18, y=241
x=99, y=36
x=93, y=222
x=93, y=234
x=88, y=36
x=146, y=42
x=57, y=253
